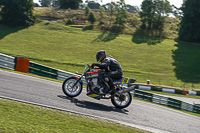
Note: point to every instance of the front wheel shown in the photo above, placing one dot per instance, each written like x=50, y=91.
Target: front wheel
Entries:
x=122, y=100
x=68, y=88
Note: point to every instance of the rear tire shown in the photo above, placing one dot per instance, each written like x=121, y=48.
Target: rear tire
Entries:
x=67, y=87
x=122, y=100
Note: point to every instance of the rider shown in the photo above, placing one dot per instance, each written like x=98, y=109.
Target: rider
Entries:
x=113, y=69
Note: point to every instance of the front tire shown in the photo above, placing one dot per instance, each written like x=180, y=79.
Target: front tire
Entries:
x=68, y=88
x=122, y=100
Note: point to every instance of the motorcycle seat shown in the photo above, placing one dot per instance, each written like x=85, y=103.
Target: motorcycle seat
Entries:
x=124, y=80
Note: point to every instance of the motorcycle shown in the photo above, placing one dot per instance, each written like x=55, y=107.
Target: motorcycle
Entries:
x=95, y=86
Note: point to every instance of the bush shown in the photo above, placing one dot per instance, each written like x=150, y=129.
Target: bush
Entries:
x=69, y=21
x=101, y=22
x=135, y=21
x=117, y=28
x=91, y=18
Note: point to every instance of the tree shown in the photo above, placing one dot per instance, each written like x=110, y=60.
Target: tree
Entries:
x=87, y=11
x=45, y=3
x=73, y=4
x=162, y=10
x=190, y=23
x=17, y=13
x=154, y=12
x=111, y=7
x=121, y=14
x=91, y=18
x=101, y=12
x=55, y=3
x=2, y=2
x=147, y=13
x=177, y=12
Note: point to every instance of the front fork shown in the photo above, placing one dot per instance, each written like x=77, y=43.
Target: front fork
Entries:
x=78, y=79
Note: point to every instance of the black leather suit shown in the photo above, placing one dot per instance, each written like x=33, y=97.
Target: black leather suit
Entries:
x=113, y=70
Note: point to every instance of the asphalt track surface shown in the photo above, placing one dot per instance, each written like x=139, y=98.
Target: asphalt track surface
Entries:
x=139, y=114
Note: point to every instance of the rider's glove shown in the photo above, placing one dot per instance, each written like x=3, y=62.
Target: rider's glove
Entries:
x=94, y=64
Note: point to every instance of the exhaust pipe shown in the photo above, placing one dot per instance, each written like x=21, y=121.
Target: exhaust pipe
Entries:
x=126, y=90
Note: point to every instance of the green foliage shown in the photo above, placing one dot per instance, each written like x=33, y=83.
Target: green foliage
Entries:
x=101, y=22
x=135, y=21
x=111, y=9
x=190, y=24
x=69, y=21
x=17, y=13
x=154, y=12
x=132, y=25
x=177, y=12
x=55, y=3
x=2, y=2
x=91, y=18
x=101, y=12
x=45, y=3
x=73, y=4
x=87, y=11
x=147, y=13
x=121, y=15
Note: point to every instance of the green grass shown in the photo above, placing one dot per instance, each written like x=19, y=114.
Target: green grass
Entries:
x=68, y=48
x=19, y=118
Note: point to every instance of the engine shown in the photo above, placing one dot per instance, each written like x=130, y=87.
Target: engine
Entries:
x=95, y=85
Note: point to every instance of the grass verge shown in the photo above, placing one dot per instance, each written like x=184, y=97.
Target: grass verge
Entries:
x=19, y=117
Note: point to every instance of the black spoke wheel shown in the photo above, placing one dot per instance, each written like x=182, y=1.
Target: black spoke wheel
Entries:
x=122, y=100
x=69, y=89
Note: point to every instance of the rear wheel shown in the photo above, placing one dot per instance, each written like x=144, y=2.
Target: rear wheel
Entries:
x=68, y=88
x=122, y=100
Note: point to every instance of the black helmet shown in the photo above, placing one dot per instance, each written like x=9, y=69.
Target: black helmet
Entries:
x=101, y=55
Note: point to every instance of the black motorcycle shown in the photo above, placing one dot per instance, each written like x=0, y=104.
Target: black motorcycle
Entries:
x=121, y=98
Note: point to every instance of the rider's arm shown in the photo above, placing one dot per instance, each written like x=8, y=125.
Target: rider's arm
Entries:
x=100, y=66
x=95, y=64
x=105, y=64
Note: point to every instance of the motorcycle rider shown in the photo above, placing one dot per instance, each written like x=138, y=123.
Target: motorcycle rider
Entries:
x=113, y=69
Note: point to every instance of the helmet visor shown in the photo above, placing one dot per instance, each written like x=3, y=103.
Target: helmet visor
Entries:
x=98, y=57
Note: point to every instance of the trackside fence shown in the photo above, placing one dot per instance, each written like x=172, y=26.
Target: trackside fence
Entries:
x=42, y=70
x=7, y=62
x=169, y=102
x=24, y=65
x=50, y=72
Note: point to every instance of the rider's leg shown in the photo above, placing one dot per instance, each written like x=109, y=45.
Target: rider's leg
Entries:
x=113, y=75
x=102, y=76
x=109, y=80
